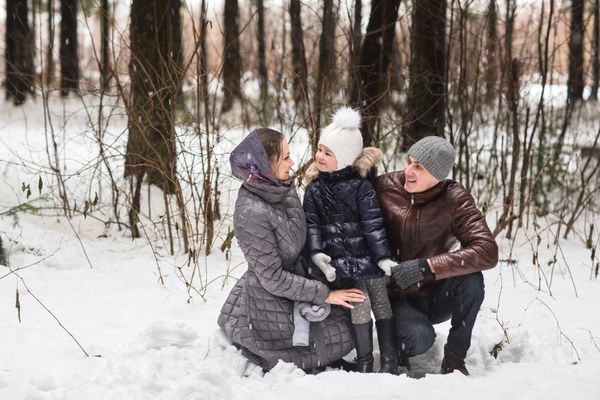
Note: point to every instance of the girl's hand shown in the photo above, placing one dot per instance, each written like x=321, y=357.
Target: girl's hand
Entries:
x=344, y=297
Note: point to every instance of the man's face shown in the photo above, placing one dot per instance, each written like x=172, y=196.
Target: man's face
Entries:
x=417, y=178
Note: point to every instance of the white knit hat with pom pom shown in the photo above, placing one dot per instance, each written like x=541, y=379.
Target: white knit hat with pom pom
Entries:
x=343, y=136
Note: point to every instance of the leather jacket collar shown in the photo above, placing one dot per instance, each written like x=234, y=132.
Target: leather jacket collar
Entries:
x=396, y=182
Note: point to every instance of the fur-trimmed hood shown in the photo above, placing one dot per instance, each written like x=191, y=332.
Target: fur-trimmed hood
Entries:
x=368, y=158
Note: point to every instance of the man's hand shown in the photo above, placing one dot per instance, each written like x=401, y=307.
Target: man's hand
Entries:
x=322, y=261
x=408, y=273
x=386, y=266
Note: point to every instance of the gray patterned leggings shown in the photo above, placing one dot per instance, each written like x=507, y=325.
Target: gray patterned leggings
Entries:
x=376, y=299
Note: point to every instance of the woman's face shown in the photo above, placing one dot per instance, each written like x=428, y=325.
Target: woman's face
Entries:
x=282, y=166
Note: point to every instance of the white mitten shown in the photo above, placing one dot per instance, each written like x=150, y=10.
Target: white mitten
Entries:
x=322, y=261
x=386, y=266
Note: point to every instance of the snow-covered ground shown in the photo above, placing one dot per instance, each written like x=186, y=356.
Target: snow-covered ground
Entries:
x=148, y=340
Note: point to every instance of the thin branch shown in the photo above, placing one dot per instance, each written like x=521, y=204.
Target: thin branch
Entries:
x=54, y=316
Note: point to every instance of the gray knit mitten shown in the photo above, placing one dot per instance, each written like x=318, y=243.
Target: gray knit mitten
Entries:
x=314, y=312
x=301, y=327
x=407, y=273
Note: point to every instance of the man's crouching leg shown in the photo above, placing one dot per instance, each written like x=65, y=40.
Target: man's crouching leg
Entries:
x=414, y=333
x=458, y=298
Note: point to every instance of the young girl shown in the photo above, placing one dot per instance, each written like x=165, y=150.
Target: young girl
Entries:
x=346, y=238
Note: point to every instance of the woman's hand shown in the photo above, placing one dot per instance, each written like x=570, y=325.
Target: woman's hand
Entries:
x=344, y=297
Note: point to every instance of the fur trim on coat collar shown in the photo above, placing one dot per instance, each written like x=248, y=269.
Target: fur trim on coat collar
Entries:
x=368, y=158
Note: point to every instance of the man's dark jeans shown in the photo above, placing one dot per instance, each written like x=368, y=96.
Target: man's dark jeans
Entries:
x=458, y=298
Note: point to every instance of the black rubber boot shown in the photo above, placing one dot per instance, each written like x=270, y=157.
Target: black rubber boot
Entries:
x=363, y=341
x=403, y=362
x=387, y=346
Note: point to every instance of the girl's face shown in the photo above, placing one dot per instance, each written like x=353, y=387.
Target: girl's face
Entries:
x=282, y=166
x=326, y=160
x=417, y=178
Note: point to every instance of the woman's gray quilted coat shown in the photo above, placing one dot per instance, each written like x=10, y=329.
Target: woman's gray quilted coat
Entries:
x=257, y=316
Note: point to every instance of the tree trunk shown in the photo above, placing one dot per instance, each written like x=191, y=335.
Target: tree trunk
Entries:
x=300, y=81
x=209, y=213
x=105, y=33
x=151, y=141
x=596, y=54
x=176, y=72
x=202, y=66
x=575, y=83
x=35, y=13
x=232, y=62
x=18, y=54
x=355, y=49
x=491, y=68
x=511, y=69
x=3, y=256
x=50, y=55
x=427, y=89
x=69, y=62
x=262, y=55
x=374, y=61
x=326, y=63
x=537, y=191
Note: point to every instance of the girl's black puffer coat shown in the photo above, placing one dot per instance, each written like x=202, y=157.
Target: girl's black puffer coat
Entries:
x=344, y=219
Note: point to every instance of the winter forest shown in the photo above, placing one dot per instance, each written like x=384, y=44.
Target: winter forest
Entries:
x=117, y=119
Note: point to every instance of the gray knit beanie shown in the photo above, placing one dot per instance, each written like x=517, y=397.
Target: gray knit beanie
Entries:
x=436, y=154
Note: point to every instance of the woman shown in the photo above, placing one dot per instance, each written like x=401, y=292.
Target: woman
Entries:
x=270, y=226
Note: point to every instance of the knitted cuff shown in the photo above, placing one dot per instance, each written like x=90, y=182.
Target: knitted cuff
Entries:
x=425, y=268
x=408, y=273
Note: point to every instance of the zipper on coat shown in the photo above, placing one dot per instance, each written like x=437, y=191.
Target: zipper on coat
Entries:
x=408, y=228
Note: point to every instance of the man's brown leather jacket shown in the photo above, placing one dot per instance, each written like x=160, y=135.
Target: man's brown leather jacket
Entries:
x=442, y=224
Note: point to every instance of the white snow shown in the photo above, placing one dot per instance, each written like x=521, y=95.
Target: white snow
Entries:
x=147, y=340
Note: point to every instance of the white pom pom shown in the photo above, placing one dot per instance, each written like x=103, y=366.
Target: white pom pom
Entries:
x=347, y=117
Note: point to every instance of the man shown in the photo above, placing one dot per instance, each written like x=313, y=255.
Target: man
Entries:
x=442, y=242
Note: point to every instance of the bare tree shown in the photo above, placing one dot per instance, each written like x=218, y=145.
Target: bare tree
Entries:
x=543, y=45
x=50, y=55
x=326, y=63
x=177, y=57
x=300, y=78
x=374, y=61
x=151, y=141
x=232, y=61
x=491, y=58
x=18, y=55
x=69, y=61
x=105, y=25
x=262, y=54
x=576, y=83
x=427, y=89
x=35, y=12
x=511, y=81
x=354, y=59
x=596, y=52
x=209, y=212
